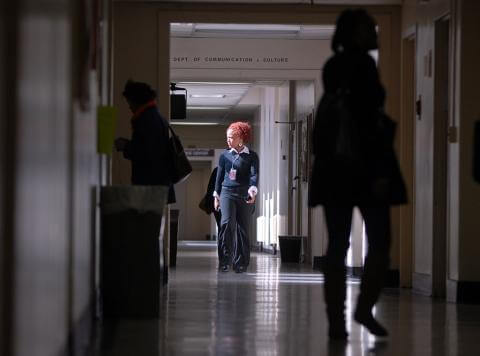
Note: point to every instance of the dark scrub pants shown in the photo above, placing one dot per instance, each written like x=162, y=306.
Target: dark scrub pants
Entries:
x=233, y=240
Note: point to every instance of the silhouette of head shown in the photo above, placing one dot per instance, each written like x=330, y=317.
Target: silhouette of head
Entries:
x=138, y=94
x=355, y=30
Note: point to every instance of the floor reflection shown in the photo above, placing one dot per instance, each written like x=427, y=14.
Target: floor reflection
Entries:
x=275, y=310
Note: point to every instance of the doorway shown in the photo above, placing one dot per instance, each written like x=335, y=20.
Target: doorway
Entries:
x=407, y=156
x=440, y=166
x=302, y=106
x=157, y=62
x=263, y=87
x=194, y=224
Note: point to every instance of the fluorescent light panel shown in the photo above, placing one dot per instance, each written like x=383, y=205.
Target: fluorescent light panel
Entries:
x=213, y=83
x=252, y=30
x=208, y=96
x=208, y=107
x=191, y=123
x=208, y=27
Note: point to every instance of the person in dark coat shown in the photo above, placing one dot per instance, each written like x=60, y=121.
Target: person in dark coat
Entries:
x=354, y=165
x=208, y=200
x=148, y=148
x=235, y=192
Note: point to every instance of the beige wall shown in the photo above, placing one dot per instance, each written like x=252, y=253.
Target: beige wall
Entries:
x=409, y=16
x=422, y=18
x=463, y=193
x=196, y=186
x=42, y=175
x=469, y=106
x=202, y=136
x=135, y=56
x=189, y=193
x=51, y=173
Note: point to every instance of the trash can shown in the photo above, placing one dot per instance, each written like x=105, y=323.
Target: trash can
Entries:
x=290, y=248
x=174, y=216
x=131, y=250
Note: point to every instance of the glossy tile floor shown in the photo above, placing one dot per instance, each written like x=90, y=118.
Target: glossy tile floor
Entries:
x=279, y=310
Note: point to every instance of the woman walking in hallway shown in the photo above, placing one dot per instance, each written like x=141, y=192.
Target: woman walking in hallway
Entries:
x=355, y=165
x=235, y=192
x=148, y=148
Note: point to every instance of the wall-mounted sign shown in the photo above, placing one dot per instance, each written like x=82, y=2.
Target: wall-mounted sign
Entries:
x=221, y=53
x=106, y=123
x=199, y=152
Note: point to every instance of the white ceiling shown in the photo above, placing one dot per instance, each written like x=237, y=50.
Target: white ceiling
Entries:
x=222, y=102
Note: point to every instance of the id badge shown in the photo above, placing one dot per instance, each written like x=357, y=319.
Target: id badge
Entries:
x=232, y=174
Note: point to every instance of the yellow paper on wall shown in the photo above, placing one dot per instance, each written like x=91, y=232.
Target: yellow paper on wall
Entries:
x=106, y=123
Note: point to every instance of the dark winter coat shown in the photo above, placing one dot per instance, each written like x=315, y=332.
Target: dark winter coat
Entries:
x=148, y=150
x=371, y=175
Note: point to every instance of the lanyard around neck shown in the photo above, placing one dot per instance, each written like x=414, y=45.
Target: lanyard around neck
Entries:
x=235, y=159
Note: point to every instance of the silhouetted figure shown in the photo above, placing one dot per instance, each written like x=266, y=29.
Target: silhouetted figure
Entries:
x=209, y=199
x=148, y=149
x=235, y=192
x=355, y=165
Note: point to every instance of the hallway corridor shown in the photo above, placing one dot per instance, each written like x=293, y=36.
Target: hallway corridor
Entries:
x=279, y=310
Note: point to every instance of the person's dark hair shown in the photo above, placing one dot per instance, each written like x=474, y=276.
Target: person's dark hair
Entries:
x=351, y=25
x=138, y=93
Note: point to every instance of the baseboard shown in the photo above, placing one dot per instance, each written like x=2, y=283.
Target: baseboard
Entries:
x=422, y=283
x=463, y=292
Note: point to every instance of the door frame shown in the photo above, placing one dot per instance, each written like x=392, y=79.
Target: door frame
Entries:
x=407, y=156
x=442, y=109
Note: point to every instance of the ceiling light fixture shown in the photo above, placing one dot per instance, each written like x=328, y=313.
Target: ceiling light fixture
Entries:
x=211, y=27
x=208, y=96
x=214, y=83
x=190, y=123
x=208, y=107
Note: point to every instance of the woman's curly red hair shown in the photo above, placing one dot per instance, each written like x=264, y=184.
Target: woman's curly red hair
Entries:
x=242, y=129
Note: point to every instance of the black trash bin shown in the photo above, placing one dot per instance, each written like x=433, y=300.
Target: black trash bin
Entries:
x=131, y=260
x=290, y=248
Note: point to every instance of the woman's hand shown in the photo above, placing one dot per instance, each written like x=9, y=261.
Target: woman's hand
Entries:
x=251, y=199
x=216, y=203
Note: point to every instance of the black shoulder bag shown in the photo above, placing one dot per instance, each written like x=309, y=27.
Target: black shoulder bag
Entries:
x=180, y=167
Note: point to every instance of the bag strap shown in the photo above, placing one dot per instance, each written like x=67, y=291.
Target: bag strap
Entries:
x=176, y=143
x=171, y=130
